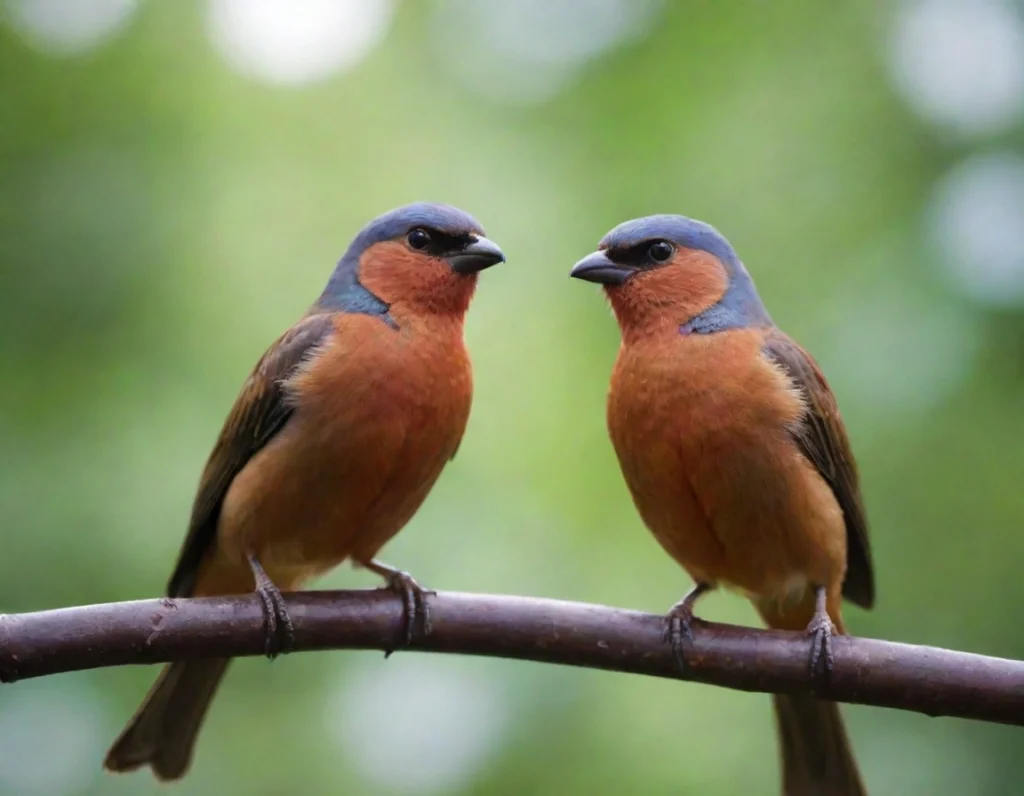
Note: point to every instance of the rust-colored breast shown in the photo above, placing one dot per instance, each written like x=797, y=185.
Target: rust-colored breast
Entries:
x=379, y=412
x=700, y=424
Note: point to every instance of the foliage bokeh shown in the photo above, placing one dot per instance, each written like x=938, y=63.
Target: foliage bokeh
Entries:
x=163, y=216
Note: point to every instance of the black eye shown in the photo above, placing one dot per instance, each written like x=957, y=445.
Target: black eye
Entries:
x=660, y=251
x=418, y=239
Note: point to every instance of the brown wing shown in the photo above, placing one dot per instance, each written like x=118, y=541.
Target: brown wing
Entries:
x=260, y=411
x=822, y=439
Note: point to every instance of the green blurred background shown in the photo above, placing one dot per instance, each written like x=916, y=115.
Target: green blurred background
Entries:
x=177, y=180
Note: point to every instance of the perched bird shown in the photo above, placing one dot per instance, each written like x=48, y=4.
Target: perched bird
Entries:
x=333, y=443
x=732, y=447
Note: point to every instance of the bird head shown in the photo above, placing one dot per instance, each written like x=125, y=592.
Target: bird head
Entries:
x=674, y=271
x=420, y=258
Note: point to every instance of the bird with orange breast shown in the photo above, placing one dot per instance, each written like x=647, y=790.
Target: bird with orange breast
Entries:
x=333, y=443
x=732, y=446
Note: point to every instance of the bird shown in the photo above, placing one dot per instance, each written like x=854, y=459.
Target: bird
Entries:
x=732, y=447
x=333, y=443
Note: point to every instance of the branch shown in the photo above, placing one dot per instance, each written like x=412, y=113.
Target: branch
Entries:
x=928, y=680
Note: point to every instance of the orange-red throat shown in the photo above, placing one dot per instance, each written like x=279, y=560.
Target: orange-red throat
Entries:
x=670, y=295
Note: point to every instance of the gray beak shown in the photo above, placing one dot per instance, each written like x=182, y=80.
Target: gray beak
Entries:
x=478, y=255
x=597, y=267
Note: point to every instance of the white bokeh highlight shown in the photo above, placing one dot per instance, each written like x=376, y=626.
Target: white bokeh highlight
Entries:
x=418, y=725
x=526, y=52
x=67, y=27
x=296, y=42
x=960, y=63
x=976, y=221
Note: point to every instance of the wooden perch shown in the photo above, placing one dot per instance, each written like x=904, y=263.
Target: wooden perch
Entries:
x=928, y=680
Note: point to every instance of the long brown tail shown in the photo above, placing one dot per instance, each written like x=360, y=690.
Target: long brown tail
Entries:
x=816, y=755
x=162, y=733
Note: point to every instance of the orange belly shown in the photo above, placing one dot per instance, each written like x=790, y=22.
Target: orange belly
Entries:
x=374, y=425
x=700, y=429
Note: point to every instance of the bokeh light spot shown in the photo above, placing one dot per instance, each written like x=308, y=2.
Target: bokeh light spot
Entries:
x=294, y=42
x=418, y=725
x=528, y=51
x=68, y=27
x=960, y=63
x=976, y=220
x=900, y=352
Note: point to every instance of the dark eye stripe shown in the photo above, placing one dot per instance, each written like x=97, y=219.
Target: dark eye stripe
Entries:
x=638, y=255
x=436, y=243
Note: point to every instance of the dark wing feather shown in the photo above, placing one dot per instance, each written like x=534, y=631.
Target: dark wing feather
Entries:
x=260, y=411
x=822, y=439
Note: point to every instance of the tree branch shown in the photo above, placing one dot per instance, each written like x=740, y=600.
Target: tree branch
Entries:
x=928, y=680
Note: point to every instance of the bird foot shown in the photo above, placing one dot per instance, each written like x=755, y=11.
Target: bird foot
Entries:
x=679, y=632
x=414, y=601
x=280, y=632
x=679, y=624
x=822, y=660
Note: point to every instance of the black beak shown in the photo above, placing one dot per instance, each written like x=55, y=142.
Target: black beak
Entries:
x=597, y=267
x=476, y=256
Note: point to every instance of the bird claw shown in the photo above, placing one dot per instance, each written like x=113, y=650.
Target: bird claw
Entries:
x=280, y=632
x=679, y=631
x=822, y=660
x=679, y=624
x=414, y=602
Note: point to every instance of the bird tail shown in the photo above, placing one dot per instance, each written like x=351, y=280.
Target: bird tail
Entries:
x=162, y=733
x=816, y=756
